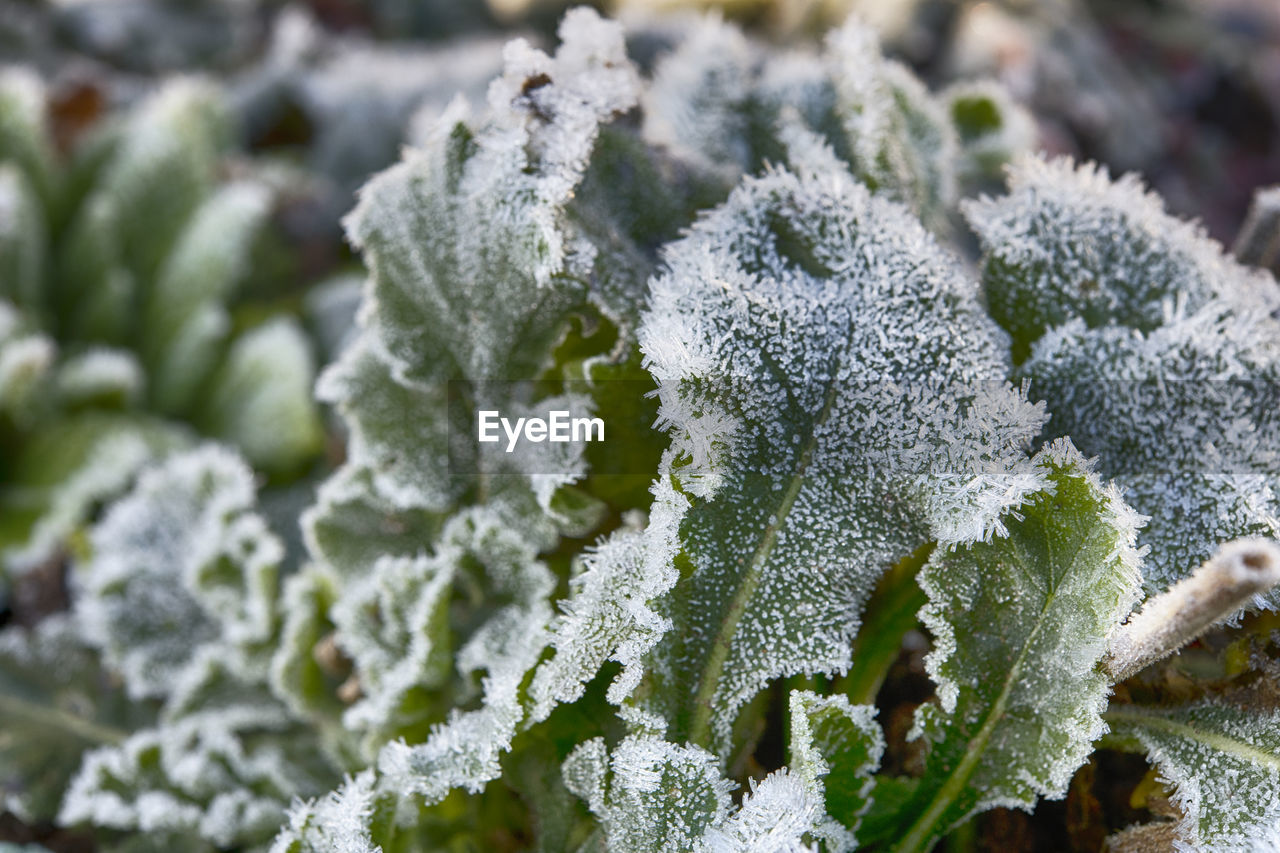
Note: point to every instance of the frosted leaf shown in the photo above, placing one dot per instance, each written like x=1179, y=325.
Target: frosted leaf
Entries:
x=1020, y=624
x=1183, y=416
x=399, y=430
x=464, y=750
x=224, y=773
x=699, y=102
x=101, y=376
x=610, y=614
x=336, y=823
x=352, y=524
x=260, y=398
x=475, y=219
x=304, y=678
x=1224, y=763
x=899, y=139
x=179, y=563
x=69, y=469
x=162, y=168
x=834, y=748
x=393, y=624
x=185, y=322
x=1068, y=242
x=650, y=795
x=55, y=702
x=872, y=428
x=719, y=101
x=776, y=816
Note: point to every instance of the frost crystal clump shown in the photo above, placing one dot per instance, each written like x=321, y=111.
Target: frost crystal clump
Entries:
x=827, y=439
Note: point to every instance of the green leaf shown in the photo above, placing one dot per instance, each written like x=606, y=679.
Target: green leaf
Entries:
x=728, y=105
x=222, y=767
x=1186, y=417
x=67, y=470
x=652, y=796
x=818, y=434
x=1019, y=625
x=185, y=322
x=260, y=399
x=834, y=748
x=474, y=262
x=1068, y=242
x=180, y=564
x=161, y=169
x=1224, y=762
x=55, y=702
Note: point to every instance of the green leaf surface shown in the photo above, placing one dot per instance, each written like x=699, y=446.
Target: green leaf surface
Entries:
x=1019, y=625
x=1224, y=764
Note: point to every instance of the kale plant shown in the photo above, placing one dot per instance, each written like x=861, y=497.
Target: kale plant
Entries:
x=824, y=434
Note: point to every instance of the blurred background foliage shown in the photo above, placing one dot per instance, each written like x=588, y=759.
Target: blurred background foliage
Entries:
x=1187, y=91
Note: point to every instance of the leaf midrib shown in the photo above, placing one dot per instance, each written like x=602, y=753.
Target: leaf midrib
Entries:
x=1223, y=743
x=700, y=725
x=52, y=716
x=922, y=831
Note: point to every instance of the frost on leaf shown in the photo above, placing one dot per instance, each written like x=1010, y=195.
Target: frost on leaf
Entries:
x=398, y=628
x=463, y=750
x=340, y=822
x=180, y=562
x=652, y=796
x=724, y=104
x=1185, y=416
x=393, y=625
x=1020, y=624
x=834, y=393
x=611, y=613
x=835, y=747
x=481, y=244
x=55, y=702
x=1067, y=242
x=223, y=764
x=476, y=219
x=70, y=468
x=1224, y=762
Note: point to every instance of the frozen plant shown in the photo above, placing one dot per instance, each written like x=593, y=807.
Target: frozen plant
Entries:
x=121, y=263
x=673, y=640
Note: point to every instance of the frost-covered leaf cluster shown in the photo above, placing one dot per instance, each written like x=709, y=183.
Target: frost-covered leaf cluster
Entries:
x=123, y=261
x=747, y=261
x=1155, y=351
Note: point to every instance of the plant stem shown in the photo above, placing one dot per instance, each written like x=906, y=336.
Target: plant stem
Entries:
x=890, y=614
x=1225, y=583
